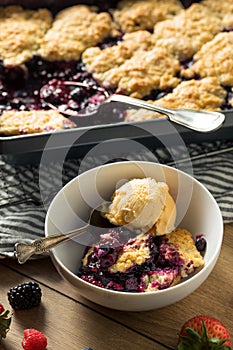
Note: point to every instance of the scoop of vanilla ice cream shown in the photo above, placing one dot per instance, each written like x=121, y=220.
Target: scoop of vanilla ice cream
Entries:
x=166, y=221
x=143, y=204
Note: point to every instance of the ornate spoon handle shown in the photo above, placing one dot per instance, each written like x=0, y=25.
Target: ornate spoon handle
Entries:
x=24, y=251
x=202, y=121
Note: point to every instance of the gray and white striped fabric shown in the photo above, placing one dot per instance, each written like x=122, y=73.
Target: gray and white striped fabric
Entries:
x=23, y=210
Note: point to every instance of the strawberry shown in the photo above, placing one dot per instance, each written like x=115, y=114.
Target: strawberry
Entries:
x=34, y=340
x=1, y=308
x=204, y=333
x=5, y=321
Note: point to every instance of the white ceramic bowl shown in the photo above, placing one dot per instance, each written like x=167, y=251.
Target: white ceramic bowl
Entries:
x=197, y=211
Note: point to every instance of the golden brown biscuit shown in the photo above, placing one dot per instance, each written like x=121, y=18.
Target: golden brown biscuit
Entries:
x=186, y=247
x=133, y=15
x=21, y=32
x=231, y=99
x=185, y=34
x=214, y=60
x=204, y=94
x=132, y=254
x=134, y=67
x=30, y=122
x=223, y=9
x=75, y=29
x=100, y=61
x=161, y=279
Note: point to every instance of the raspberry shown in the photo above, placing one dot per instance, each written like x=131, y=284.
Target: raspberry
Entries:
x=34, y=340
x=25, y=295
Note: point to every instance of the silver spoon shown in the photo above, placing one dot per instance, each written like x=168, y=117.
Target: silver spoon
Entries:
x=198, y=120
x=24, y=251
x=202, y=121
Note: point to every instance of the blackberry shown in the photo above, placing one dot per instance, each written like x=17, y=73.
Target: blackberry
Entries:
x=24, y=296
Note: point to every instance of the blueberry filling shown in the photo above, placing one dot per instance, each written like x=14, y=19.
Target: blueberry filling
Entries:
x=20, y=89
x=227, y=29
x=98, y=265
x=71, y=99
x=157, y=94
x=110, y=41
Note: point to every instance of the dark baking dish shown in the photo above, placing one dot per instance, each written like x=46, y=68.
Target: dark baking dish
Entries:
x=78, y=142
x=82, y=138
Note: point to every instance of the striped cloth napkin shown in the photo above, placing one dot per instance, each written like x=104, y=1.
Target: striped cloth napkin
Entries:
x=23, y=210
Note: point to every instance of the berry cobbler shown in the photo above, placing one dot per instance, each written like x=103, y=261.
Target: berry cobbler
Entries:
x=144, y=251
x=170, y=52
x=143, y=264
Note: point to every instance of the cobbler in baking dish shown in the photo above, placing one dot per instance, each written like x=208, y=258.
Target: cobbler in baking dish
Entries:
x=160, y=51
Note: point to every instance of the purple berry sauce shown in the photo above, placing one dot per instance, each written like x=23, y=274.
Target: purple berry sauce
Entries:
x=163, y=260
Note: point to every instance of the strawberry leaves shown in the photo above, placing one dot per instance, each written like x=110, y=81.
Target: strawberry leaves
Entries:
x=5, y=321
x=204, y=333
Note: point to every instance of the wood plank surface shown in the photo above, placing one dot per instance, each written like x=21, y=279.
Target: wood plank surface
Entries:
x=72, y=322
x=67, y=323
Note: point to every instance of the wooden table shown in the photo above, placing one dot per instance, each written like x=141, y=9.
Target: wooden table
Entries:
x=71, y=323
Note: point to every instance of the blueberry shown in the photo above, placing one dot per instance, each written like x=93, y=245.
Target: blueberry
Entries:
x=15, y=74
x=3, y=95
x=108, y=261
x=16, y=103
x=55, y=92
x=75, y=106
x=80, y=67
x=200, y=243
x=228, y=29
x=78, y=94
x=2, y=68
x=131, y=284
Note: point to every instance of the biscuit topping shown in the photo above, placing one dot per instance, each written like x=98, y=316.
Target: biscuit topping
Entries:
x=29, y=122
x=214, y=60
x=201, y=94
x=142, y=67
x=138, y=15
x=21, y=32
x=75, y=29
x=184, y=34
